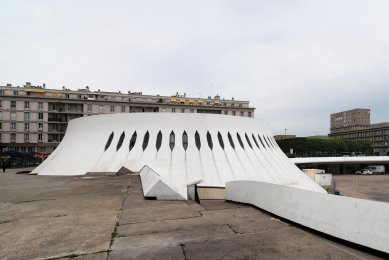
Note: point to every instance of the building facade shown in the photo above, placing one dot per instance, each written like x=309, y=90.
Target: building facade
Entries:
x=355, y=119
x=35, y=118
x=355, y=125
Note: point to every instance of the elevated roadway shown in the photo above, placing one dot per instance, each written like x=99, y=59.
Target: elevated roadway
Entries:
x=342, y=160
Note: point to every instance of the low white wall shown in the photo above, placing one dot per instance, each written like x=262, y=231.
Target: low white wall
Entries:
x=360, y=221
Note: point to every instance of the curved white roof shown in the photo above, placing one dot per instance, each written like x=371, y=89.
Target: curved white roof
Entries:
x=181, y=148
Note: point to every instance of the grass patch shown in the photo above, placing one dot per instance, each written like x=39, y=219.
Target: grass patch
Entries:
x=114, y=235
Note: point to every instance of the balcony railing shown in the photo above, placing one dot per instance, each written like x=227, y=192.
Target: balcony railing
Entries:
x=57, y=120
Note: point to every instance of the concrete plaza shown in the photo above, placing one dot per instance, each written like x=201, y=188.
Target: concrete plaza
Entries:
x=103, y=217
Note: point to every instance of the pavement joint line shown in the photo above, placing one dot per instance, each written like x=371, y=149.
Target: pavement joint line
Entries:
x=210, y=210
x=129, y=223
x=155, y=221
x=6, y=206
x=218, y=237
x=233, y=230
x=161, y=232
x=28, y=201
x=114, y=233
x=73, y=255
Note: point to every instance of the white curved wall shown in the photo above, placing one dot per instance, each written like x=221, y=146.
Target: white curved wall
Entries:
x=364, y=222
x=83, y=150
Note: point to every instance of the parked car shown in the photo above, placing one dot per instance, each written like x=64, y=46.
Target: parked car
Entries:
x=366, y=171
x=378, y=169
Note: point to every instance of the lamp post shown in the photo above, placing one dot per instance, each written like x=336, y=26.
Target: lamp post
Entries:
x=285, y=134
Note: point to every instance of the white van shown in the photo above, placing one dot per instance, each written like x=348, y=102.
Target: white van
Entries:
x=379, y=169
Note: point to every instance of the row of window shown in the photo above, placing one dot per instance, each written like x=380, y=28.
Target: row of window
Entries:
x=104, y=97
x=264, y=140
x=12, y=126
x=225, y=112
x=26, y=116
x=26, y=148
x=101, y=108
x=199, y=102
x=26, y=137
x=89, y=109
x=26, y=104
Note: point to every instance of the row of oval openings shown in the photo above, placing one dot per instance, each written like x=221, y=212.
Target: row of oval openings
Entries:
x=269, y=142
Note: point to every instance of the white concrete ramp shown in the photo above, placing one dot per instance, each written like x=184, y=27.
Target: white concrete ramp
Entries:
x=154, y=186
x=360, y=221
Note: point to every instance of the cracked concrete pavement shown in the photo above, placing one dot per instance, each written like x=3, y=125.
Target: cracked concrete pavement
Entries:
x=103, y=217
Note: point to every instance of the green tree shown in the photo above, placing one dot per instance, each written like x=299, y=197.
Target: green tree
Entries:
x=307, y=147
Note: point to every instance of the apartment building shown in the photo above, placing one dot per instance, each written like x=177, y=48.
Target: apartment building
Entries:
x=355, y=125
x=355, y=119
x=35, y=118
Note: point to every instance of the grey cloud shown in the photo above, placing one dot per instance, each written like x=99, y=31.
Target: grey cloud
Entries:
x=296, y=61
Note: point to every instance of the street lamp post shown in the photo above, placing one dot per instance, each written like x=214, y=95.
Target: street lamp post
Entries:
x=285, y=133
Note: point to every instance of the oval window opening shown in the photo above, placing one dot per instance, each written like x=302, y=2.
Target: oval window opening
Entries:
x=248, y=140
x=209, y=140
x=133, y=140
x=197, y=140
x=145, y=140
x=109, y=141
x=264, y=138
x=172, y=140
x=240, y=140
x=185, y=140
x=255, y=140
x=270, y=142
x=219, y=136
x=159, y=140
x=231, y=141
x=260, y=139
x=121, y=139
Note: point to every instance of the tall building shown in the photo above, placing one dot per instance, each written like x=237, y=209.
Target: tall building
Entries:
x=355, y=119
x=355, y=125
x=34, y=118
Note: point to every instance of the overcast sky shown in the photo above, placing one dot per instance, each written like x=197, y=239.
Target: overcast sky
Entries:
x=296, y=61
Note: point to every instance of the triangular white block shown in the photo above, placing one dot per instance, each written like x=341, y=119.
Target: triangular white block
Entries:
x=154, y=186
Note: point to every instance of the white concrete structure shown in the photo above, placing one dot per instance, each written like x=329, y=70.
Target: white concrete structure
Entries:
x=153, y=186
x=360, y=221
x=182, y=149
